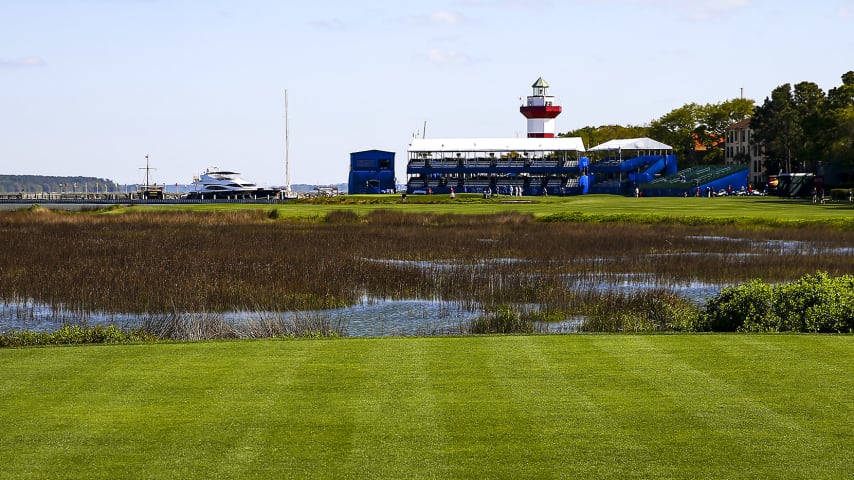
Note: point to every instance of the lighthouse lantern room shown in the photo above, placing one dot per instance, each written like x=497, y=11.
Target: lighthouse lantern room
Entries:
x=540, y=111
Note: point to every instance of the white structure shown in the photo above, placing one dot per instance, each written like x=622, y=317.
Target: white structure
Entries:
x=533, y=147
x=215, y=183
x=641, y=146
x=540, y=164
x=541, y=111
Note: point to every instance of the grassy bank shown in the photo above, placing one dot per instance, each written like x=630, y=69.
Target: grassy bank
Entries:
x=733, y=210
x=716, y=406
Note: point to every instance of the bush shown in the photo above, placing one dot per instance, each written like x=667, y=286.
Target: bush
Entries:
x=814, y=303
x=746, y=306
x=74, y=335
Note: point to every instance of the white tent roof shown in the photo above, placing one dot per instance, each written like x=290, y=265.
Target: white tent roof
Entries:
x=496, y=144
x=631, y=144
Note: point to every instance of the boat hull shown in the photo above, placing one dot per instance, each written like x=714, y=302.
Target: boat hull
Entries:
x=261, y=193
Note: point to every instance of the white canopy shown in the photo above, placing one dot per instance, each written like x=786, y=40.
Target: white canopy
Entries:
x=631, y=144
x=497, y=144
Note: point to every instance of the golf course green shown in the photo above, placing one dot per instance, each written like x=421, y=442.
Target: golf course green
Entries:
x=567, y=406
x=735, y=406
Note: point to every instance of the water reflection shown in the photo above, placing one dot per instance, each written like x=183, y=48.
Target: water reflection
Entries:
x=781, y=247
x=386, y=317
x=371, y=318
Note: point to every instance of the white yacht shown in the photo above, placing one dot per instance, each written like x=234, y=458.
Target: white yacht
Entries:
x=216, y=183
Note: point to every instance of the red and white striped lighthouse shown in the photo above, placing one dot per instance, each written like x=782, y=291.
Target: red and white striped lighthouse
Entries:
x=540, y=111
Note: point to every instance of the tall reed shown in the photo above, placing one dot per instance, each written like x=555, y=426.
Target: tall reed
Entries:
x=171, y=263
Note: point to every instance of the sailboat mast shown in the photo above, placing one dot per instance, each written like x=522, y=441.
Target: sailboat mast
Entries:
x=147, y=169
x=287, y=159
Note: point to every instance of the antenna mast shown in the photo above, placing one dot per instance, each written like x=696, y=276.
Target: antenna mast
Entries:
x=287, y=159
x=147, y=169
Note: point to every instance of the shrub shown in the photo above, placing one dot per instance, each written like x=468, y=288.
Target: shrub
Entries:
x=74, y=335
x=813, y=303
x=746, y=306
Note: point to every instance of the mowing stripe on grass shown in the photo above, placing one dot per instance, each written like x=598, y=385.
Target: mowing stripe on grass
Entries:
x=704, y=406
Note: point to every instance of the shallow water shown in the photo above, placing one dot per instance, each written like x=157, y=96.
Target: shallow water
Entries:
x=384, y=317
x=370, y=318
x=373, y=318
x=781, y=247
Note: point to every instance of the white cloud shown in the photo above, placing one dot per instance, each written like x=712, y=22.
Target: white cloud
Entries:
x=448, y=57
x=708, y=9
x=331, y=24
x=442, y=17
x=698, y=10
x=22, y=62
x=445, y=17
x=517, y=4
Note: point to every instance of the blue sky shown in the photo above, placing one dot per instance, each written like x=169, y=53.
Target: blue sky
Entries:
x=89, y=87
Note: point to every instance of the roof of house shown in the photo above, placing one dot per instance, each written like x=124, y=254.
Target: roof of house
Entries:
x=744, y=123
x=497, y=144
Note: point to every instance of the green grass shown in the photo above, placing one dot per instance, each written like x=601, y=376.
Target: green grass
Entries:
x=764, y=210
x=702, y=406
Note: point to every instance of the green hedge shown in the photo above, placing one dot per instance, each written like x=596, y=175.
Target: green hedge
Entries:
x=814, y=303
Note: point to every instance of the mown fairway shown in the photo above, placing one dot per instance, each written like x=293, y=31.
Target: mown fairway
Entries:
x=744, y=210
x=702, y=406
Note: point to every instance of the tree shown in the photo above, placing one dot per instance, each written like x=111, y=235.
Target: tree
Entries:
x=840, y=122
x=678, y=128
x=593, y=136
x=714, y=120
x=776, y=124
x=809, y=101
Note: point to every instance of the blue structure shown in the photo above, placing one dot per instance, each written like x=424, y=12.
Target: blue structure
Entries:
x=698, y=181
x=371, y=171
x=628, y=163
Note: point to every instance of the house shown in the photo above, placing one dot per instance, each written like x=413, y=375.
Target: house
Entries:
x=740, y=148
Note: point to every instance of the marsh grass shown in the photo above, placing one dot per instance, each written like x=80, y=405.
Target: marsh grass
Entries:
x=165, y=264
x=656, y=310
x=254, y=324
x=74, y=335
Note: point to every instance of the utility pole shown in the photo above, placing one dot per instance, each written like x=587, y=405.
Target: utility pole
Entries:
x=287, y=148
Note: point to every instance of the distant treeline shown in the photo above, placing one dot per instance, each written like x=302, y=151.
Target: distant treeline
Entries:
x=46, y=184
